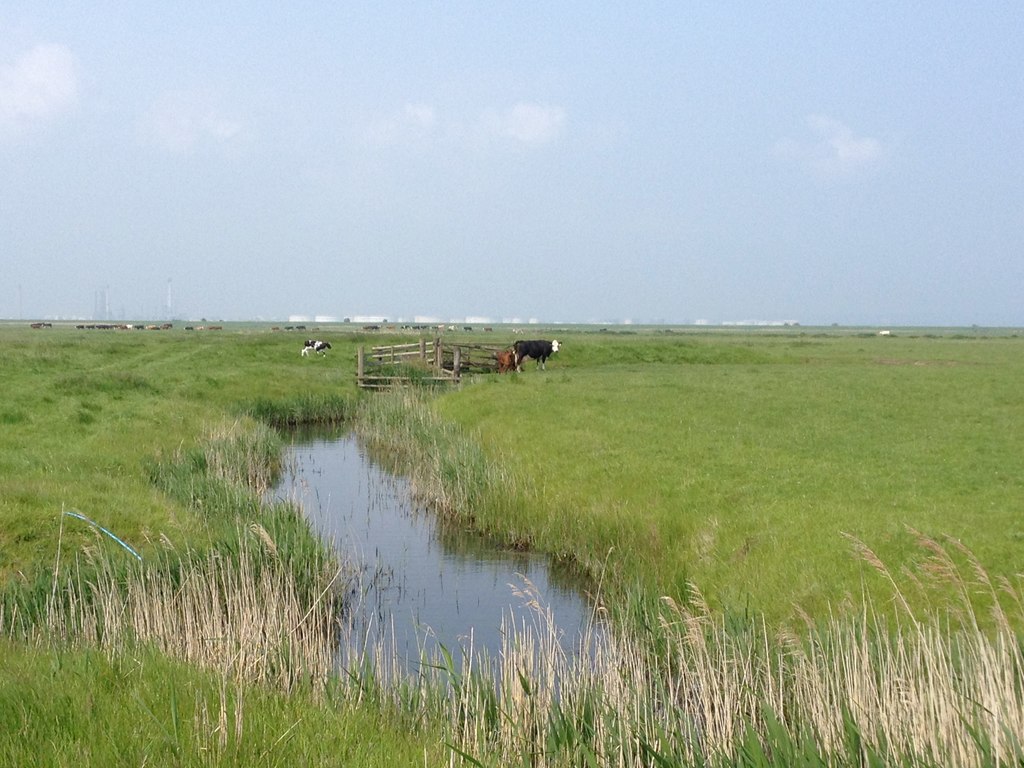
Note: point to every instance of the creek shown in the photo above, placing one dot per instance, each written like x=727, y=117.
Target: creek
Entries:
x=416, y=581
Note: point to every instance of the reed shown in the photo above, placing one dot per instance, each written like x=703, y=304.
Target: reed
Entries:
x=224, y=481
x=261, y=571
x=245, y=616
x=848, y=692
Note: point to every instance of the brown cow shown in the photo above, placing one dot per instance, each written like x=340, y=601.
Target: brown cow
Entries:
x=506, y=360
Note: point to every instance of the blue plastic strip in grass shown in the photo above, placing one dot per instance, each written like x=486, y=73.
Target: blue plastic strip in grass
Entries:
x=94, y=524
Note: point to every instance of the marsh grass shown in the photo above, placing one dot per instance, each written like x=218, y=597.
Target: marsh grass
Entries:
x=303, y=409
x=260, y=572
x=244, y=616
x=448, y=473
x=684, y=687
x=681, y=688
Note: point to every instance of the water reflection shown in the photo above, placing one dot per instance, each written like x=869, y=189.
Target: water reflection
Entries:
x=417, y=578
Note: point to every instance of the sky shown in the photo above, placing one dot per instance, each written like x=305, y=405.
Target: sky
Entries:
x=856, y=163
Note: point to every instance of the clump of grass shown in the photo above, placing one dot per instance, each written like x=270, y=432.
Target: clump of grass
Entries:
x=448, y=471
x=307, y=408
x=224, y=480
x=247, y=456
x=12, y=416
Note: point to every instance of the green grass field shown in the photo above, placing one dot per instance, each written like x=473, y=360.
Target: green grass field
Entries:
x=85, y=412
x=740, y=461
x=736, y=460
x=771, y=469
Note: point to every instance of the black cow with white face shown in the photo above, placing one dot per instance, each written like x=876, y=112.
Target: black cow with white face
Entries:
x=537, y=349
x=320, y=347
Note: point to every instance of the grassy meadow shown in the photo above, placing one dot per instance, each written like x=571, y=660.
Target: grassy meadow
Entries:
x=776, y=520
x=758, y=466
x=86, y=414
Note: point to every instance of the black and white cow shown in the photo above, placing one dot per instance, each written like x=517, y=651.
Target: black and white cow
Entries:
x=537, y=349
x=320, y=347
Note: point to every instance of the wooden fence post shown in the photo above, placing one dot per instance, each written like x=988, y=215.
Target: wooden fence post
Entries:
x=423, y=350
x=360, y=366
x=456, y=362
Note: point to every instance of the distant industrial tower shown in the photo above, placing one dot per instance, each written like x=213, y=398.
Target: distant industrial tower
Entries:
x=101, y=306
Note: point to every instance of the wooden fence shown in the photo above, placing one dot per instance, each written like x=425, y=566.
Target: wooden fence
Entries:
x=426, y=362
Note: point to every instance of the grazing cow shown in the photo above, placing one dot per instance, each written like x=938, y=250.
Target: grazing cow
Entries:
x=320, y=347
x=506, y=360
x=537, y=349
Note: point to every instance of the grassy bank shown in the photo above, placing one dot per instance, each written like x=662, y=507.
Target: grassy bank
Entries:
x=153, y=610
x=86, y=413
x=743, y=463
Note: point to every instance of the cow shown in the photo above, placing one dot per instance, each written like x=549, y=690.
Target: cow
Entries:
x=537, y=349
x=320, y=347
x=506, y=360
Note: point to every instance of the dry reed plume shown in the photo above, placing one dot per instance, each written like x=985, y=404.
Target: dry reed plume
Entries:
x=243, y=616
x=921, y=692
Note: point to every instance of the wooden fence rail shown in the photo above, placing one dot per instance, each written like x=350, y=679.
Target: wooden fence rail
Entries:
x=425, y=362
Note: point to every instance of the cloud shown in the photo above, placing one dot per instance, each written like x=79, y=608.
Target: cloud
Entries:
x=181, y=122
x=526, y=122
x=420, y=115
x=38, y=85
x=833, y=151
x=412, y=121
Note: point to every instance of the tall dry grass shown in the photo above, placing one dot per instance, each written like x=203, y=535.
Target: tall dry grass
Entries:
x=258, y=604
x=851, y=692
x=688, y=688
x=245, y=616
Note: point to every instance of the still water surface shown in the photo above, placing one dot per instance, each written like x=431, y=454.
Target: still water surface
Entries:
x=425, y=581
